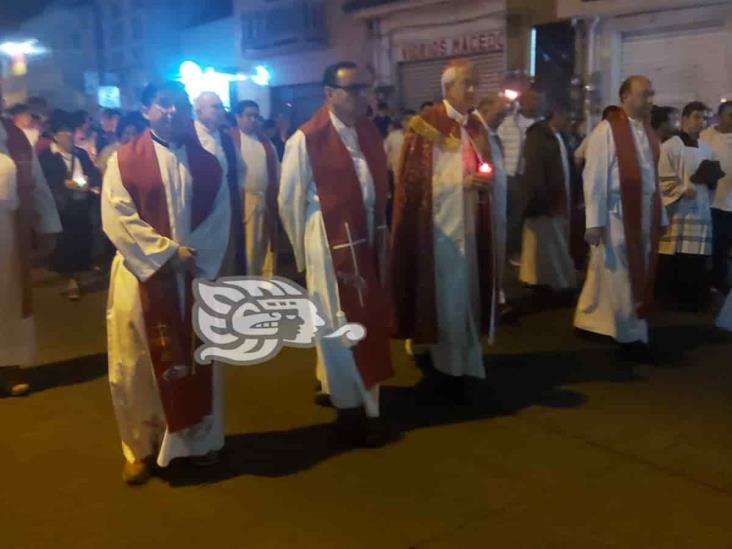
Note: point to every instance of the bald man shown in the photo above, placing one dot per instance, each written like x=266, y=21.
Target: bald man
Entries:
x=443, y=263
x=624, y=223
x=209, y=125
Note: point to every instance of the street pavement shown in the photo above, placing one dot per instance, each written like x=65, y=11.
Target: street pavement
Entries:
x=555, y=451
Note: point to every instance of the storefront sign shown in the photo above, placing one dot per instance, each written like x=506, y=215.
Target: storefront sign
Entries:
x=467, y=44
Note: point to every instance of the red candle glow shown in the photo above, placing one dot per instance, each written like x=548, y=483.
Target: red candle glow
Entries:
x=485, y=169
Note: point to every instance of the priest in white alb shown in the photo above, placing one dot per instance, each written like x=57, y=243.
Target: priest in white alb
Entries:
x=165, y=207
x=27, y=209
x=332, y=203
x=260, y=189
x=625, y=219
x=444, y=269
x=209, y=126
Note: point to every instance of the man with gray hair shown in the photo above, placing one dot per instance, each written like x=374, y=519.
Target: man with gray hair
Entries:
x=444, y=268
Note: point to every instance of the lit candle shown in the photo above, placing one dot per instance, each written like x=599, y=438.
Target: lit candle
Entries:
x=485, y=168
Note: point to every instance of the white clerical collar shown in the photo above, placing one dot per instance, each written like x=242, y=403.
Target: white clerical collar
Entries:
x=337, y=123
x=460, y=118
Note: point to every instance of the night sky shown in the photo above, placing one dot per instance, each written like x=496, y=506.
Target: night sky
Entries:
x=13, y=12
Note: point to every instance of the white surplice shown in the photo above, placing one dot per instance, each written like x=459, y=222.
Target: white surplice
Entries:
x=302, y=219
x=257, y=217
x=459, y=351
x=690, y=229
x=545, y=257
x=17, y=334
x=605, y=305
x=140, y=253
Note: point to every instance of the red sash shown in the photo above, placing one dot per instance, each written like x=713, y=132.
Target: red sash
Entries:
x=21, y=152
x=642, y=270
x=272, y=180
x=363, y=297
x=185, y=387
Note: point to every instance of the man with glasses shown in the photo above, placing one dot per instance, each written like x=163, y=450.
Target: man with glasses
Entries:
x=332, y=201
x=165, y=207
x=444, y=269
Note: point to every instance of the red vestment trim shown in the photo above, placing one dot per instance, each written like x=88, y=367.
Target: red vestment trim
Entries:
x=357, y=262
x=642, y=270
x=186, y=389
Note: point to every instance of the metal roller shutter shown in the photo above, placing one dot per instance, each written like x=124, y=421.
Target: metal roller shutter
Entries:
x=683, y=66
x=420, y=81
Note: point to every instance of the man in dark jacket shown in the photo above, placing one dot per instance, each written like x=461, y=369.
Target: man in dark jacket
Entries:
x=547, y=179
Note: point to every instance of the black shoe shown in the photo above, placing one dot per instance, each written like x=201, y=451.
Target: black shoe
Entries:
x=323, y=400
x=453, y=389
x=354, y=429
x=636, y=353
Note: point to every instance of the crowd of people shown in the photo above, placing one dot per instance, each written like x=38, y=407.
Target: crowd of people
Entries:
x=403, y=224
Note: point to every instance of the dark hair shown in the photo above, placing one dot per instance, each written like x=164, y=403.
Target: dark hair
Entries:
x=607, y=111
x=241, y=106
x=723, y=106
x=18, y=108
x=382, y=106
x=694, y=106
x=60, y=121
x=408, y=112
x=151, y=91
x=330, y=76
x=269, y=123
x=660, y=115
x=134, y=119
x=560, y=106
x=425, y=105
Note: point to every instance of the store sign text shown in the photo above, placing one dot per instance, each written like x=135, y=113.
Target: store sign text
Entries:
x=468, y=44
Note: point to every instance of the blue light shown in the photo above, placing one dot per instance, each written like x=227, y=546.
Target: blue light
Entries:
x=261, y=76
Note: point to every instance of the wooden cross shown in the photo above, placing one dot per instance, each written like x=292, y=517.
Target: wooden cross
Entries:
x=354, y=279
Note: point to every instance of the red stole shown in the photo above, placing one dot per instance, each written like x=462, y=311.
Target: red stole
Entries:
x=272, y=180
x=21, y=152
x=363, y=297
x=412, y=244
x=185, y=387
x=642, y=269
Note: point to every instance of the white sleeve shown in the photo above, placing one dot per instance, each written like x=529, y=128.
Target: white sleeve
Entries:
x=670, y=171
x=9, y=201
x=143, y=249
x=211, y=238
x=292, y=198
x=46, y=220
x=596, y=176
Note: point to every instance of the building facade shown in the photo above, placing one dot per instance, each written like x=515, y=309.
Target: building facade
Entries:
x=681, y=45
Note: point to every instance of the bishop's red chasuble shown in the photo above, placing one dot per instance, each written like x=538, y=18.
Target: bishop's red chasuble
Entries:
x=412, y=241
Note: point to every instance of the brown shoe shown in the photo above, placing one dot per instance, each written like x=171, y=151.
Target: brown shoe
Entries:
x=136, y=473
x=12, y=382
